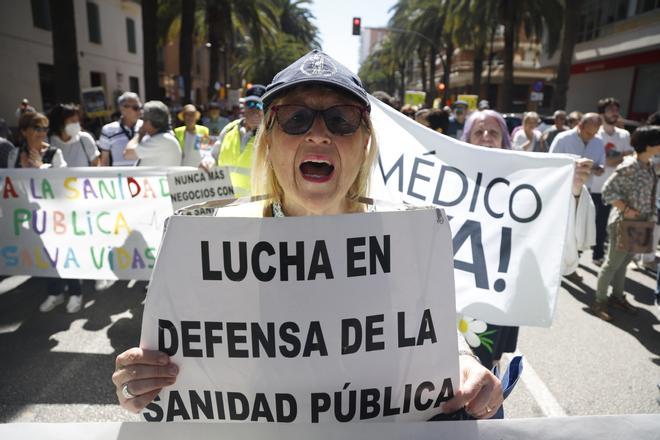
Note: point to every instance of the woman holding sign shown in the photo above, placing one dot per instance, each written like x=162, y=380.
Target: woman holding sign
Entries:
x=313, y=155
x=487, y=128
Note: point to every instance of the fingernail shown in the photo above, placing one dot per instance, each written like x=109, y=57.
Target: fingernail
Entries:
x=172, y=369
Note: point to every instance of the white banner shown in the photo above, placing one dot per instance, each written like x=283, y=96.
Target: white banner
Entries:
x=508, y=214
x=88, y=223
x=616, y=427
x=198, y=186
x=305, y=319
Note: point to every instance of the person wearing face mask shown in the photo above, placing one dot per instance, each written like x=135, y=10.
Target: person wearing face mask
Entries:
x=234, y=147
x=78, y=147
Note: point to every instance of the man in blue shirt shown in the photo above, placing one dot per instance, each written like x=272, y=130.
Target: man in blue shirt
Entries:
x=582, y=141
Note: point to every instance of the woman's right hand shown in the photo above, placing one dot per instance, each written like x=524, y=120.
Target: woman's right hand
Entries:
x=630, y=213
x=144, y=373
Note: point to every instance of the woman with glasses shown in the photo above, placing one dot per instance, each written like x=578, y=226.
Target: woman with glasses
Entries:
x=34, y=152
x=314, y=154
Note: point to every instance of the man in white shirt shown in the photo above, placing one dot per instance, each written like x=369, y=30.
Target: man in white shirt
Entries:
x=155, y=145
x=616, y=142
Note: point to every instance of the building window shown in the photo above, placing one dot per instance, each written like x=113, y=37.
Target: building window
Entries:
x=41, y=14
x=46, y=86
x=97, y=79
x=130, y=35
x=598, y=14
x=93, y=23
x=647, y=5
x=134, y=84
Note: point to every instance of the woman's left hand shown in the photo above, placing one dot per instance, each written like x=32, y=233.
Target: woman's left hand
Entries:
x=582, y=172
x=480, y=392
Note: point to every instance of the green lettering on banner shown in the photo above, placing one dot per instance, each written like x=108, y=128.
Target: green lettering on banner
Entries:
x=20, y=216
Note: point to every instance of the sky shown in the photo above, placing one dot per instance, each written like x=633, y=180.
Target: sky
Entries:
x=334, y=19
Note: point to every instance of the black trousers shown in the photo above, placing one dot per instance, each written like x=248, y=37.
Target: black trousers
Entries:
x=602, y=213
x=55, y=286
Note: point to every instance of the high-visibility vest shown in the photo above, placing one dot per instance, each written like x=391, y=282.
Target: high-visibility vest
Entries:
x=239, y=162
x=180, y=134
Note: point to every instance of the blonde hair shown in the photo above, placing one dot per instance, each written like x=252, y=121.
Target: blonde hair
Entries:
x=264, y=181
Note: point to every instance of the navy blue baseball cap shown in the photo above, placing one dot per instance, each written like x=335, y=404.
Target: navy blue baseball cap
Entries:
x=316, y=67
x=254, y=93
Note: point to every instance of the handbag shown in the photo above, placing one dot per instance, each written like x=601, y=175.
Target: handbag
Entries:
x=635, y=236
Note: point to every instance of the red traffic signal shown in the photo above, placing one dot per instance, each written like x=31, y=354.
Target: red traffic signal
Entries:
x=357, y=23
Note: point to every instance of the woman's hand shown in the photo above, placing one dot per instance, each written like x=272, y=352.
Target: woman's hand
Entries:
x=630, y=213
x=144, y=373
x=480, y=392
x=582, y=172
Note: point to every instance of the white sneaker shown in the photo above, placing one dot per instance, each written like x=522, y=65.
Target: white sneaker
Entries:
x=75, y=304
x=51, y=302
x=103, y=284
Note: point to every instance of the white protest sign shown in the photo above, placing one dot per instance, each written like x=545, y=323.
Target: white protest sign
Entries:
x=508, y=214
x=304, y=319
x=198, y=186
x=614, y=427
x=90, y=223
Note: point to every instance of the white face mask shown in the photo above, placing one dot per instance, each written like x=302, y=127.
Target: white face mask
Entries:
x=72, y=129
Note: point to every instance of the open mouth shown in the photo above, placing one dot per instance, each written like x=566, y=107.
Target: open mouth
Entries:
x=317, y=170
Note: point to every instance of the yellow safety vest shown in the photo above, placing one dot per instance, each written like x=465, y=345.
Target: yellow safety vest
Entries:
x=180, y=134
x=239, y=162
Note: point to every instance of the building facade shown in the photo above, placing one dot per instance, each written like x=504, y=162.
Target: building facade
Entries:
x=109, y=44
x=617, y=54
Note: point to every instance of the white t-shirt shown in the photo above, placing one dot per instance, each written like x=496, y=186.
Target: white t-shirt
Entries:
x=619, y=141
x=79, y=151
x=161, y=149
x=191, y=150
x=520, y=138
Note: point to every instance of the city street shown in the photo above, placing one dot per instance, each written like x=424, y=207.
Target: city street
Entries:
x=57, y=367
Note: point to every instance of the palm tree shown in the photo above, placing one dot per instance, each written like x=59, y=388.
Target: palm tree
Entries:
x=65, y=53
x=150, y=49
x=537, y=18
x=421, y=23
x=186, y=46
x=294, y=35
x=471, y=24
x=295, y=19
x=570, y=28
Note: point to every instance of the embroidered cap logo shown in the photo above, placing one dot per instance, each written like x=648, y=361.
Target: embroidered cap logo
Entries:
x=318, y=65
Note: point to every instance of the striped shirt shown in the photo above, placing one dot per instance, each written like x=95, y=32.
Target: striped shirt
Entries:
x=114, y=137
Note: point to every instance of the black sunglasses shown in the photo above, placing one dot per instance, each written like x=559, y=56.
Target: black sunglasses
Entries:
x=133, y=107
x=39, y=128
x=298, y=119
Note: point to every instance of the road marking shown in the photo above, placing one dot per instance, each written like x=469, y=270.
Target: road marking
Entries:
x=546, y=401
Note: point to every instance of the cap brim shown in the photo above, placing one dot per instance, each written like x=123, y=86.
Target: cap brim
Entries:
x=251, y=98
x=273, y=93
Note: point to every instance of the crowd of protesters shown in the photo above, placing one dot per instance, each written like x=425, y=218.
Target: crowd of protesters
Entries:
x=144, y=134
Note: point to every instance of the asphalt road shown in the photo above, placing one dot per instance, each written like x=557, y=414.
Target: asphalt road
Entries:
x=56, y=367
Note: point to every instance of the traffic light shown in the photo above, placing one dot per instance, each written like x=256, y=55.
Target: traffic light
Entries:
x=357, y=22
x=441, y=87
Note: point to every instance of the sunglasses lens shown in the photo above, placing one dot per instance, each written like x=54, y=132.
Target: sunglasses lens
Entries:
x=254, y=104
x=295, y=119
x=342, y=119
